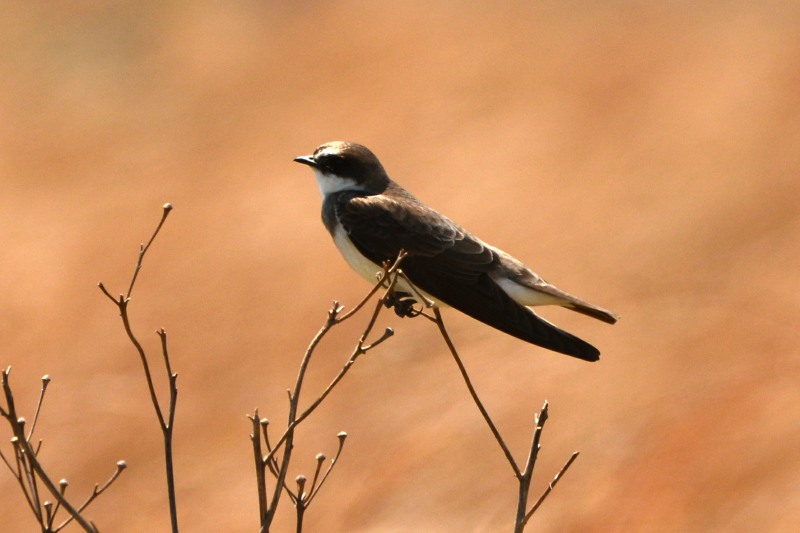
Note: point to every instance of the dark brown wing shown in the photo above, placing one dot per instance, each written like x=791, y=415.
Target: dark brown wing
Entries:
x=448, y=263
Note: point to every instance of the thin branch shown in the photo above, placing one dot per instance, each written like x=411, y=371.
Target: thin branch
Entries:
x=273, y=464
x=386, y=279
x=165, y=353
x=527, y=476
x=27, y=454
x=539, y=421
x=123, y=308
x=96, y=491
x=261, y=481
x=474, y=394
x=169, y=428
x=108, y=294
x=313, y=492
x=62, y=485
x=300, y=504
x=49, y=517
x=357, y=351
x=320, y=458
x=143, y=249
x=293, y=403
x=45, y=382
x=524, y=477
x=551, y=486
x=166, y=423
x=32, y=485
x=18, y=471
x=426, y=302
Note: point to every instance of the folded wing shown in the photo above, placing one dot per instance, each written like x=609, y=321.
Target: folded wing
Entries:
x=448, y=263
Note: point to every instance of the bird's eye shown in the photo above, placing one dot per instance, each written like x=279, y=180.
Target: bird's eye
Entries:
x=335, y=165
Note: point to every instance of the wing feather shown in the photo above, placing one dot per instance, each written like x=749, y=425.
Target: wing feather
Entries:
x=446, y=262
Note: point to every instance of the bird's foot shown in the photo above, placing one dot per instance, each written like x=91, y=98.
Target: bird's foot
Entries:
x=403, y=304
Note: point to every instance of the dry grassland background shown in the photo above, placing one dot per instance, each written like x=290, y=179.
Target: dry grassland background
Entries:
x=644, y=156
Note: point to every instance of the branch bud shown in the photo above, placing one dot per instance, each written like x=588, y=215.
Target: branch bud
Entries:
x=301, y=484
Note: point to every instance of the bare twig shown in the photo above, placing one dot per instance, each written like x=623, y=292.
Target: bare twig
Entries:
x=143, y=248
x=45, y=382
x=304, y=495
x=27, y=484
x=279, y=468
x=166, y=423
x=261, y=481
x=334, y=319
x=320, y=458
x=169, y=428
x=524, y=477
x=29, y=472
x=550, y=486
x=473, y=393
x=527, y=475
x=426, y=302
x=96, y=491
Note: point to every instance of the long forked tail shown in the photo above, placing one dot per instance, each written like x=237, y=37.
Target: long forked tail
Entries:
x=487, y=302
x=539, y=331
x=522, y=323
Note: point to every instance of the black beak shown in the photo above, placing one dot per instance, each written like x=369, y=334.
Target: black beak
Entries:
x=306, y=160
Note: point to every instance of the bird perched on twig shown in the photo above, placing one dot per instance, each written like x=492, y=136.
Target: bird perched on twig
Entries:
x=371, y=218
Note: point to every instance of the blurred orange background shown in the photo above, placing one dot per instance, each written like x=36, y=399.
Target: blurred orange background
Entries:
x=643, y=156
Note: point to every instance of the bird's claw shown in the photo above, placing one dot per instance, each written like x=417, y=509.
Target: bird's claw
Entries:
x=403, y=304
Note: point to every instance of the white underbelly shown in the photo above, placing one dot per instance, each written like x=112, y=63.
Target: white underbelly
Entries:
x=525, y=295
x=363, y=266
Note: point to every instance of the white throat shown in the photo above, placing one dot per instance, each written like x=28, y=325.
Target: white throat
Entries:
x=329, y=183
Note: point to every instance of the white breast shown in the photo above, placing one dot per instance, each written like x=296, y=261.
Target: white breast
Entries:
x=363, y=266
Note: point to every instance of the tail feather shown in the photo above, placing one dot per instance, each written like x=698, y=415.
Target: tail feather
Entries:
x=593, y=311
x=486, y=301
x=529, y=289
x=542, y=333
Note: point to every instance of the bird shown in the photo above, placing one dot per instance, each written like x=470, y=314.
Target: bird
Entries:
x=372, y=218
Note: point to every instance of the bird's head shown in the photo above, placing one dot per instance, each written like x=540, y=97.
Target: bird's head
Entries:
x=346, y=166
